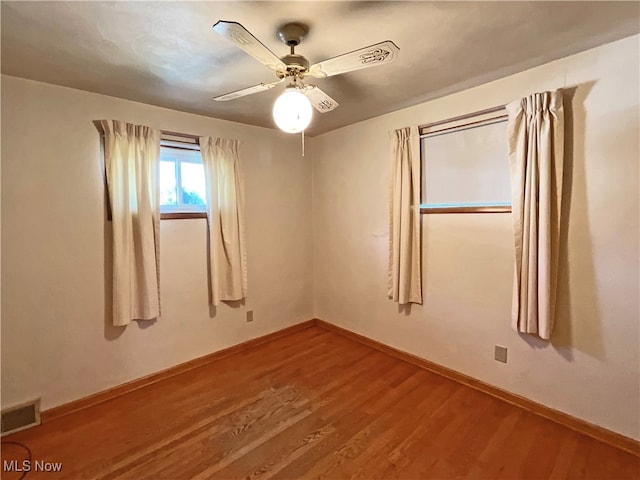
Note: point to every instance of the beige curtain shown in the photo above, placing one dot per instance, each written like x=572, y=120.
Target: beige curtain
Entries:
x=132, y=154
x=536, y=143
x=404, y=280
x=225, y=214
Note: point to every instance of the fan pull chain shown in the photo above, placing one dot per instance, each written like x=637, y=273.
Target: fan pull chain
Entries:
x=303, y=143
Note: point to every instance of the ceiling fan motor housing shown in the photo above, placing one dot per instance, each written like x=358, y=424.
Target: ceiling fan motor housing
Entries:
x=295, y=62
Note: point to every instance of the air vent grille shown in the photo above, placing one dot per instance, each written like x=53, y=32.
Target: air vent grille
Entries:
x=20, y=417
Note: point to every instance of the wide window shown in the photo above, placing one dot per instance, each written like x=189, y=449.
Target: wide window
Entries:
x=182, y=187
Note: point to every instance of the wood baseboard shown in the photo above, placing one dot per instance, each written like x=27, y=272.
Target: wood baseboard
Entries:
x=100, y=397
x=599, y=433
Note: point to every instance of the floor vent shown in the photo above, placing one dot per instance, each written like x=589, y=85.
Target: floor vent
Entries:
x=21, y=416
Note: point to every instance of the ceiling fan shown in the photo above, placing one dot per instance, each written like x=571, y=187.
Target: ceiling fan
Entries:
x=292, y=110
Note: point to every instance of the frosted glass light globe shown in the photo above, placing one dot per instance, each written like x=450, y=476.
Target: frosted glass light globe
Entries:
x=292, y=111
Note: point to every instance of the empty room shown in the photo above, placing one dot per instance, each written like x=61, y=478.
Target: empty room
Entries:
x=299, y=240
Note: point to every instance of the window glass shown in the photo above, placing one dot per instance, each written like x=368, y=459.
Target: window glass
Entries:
x=192, y=183
x=168, y=195
x=182, y=187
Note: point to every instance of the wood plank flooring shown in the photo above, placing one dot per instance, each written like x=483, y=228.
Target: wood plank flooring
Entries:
x=313, y=405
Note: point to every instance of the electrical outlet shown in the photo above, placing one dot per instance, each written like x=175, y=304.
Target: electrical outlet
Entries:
x=249, y=316
x=501, y=354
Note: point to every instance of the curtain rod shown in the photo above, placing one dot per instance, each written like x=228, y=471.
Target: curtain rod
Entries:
x=178, y=134
x=465, y=126
x=463, y=117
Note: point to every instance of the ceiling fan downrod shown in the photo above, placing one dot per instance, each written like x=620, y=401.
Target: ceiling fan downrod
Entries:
x=291, y=34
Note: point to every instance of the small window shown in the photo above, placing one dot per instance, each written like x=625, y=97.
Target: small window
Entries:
x=465, y=164
x=182, y=187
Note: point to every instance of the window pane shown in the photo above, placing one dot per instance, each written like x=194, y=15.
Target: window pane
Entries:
x=193, y=190
x=467, y=167
x=168, y=183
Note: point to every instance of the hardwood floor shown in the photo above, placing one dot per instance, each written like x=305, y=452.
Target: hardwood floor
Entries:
x=313, y=405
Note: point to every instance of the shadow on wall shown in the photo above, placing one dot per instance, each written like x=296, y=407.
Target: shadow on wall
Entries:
x=235, y=304
x=575, y=328
x=405, y=309
x=579, y=328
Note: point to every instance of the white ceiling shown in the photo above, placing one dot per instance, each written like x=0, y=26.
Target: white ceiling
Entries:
x=165, y=53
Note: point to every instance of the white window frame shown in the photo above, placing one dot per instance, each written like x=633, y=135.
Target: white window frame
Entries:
x=182, y=152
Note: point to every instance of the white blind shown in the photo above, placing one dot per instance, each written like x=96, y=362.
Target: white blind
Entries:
x=466, y=166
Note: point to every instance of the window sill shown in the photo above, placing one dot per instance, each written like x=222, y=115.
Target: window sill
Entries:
x=182, y=215
x=469, y=209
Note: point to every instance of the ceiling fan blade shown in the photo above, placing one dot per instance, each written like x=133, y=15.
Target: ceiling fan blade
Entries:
x=239, y=35
x=261, y=87
x=378, y=54
x=320, y=100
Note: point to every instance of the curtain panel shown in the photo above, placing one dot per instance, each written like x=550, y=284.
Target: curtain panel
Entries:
x=536, y=155
x=225, y=216
x=132, y=159
x=404, y=276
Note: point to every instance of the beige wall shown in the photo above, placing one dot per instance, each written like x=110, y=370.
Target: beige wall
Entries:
x=591, y=367
x=56, y=341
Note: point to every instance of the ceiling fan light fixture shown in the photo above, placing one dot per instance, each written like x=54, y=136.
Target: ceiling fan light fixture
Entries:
x=292, y=111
